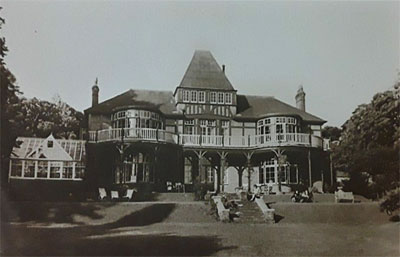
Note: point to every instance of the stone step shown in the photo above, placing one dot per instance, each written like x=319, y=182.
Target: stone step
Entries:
x=249, y=213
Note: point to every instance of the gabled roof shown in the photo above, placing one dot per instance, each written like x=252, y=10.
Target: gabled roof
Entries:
x=255, y=107
x=62, y=149
x=204, y=72
x=161, y=101
x=49, y=149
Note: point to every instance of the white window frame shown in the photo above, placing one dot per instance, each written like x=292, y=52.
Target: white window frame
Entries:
x=202, y=97
x=228, y=98
x=189, y=122
x=186, y=95
x=193, y=96
x=220, y=97
x=213, y=97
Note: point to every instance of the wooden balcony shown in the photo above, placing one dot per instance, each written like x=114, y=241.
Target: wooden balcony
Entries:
x=132, y=134
x=255, y=141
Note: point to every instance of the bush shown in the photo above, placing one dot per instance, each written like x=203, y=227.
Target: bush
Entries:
x=200, y=190
x=392, y=203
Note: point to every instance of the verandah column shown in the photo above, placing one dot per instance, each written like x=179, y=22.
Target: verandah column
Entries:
x=309, y=168
x=156, y=164
x=200, y=154
x=121, y=150
x=222, y=156
x=248, y=163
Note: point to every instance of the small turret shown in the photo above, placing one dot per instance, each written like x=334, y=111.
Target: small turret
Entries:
x=301, y=99
x=95, y=93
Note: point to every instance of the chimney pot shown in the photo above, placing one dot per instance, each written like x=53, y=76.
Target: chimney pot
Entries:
x=223, y=68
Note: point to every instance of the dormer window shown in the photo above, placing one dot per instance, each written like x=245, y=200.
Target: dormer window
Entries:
x=202, y=97
x=50, y=144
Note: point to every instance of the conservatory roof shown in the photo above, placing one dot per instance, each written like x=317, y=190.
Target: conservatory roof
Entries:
x=49, y=149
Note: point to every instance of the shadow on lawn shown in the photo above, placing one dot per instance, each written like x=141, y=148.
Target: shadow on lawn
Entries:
x=46, y=212
x=106, y=240
x=149, y=215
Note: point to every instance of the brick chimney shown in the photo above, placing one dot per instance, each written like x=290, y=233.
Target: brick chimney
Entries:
x=301, y=99
x=95, y=93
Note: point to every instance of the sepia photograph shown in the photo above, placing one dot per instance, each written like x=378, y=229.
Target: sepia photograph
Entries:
x=200, y=128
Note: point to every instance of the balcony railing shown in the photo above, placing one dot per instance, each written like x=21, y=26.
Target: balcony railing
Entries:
x=157, y=135
x=132, y=134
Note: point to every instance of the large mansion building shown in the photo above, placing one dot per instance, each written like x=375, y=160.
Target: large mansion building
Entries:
x=203, y=132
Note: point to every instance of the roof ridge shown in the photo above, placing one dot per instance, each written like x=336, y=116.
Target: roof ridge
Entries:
x=259, y=96
x=140, y=89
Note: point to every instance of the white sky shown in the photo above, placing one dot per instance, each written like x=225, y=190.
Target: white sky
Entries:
x=342, y=52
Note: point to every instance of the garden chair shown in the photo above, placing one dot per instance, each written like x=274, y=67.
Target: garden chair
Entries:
x=129, y=194
x=102, y=193
x=114, y=195
x=179, y=187
x=169, y=186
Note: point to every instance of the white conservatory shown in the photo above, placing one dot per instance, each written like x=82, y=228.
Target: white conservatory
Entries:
x=47, y=159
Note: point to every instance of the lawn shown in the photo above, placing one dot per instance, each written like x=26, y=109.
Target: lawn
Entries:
x=182, y=229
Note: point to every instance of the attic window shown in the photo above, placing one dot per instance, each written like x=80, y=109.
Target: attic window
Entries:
x=213, y=97
x=228, y=98
x=220, y=98
x=186, y=95
x=50, y=144
x=202, y=97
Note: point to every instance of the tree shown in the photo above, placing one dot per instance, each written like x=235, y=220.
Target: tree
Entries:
x=369, y=147
x=9, y=99
x=332, y=133
x=38, y=118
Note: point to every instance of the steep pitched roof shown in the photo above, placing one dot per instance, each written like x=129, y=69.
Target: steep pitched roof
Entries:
x=254, y=107
x=204, y=72
x=162, y=101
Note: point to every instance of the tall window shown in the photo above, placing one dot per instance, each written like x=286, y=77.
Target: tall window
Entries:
x=186, y=95
x=138, y=167
x=290, y=128
x=213, y=97
x=189, y=127
x=279, y=128
x=220, y=98
x=194, y=96
x=228, y=98
x=225, y=127
x=202, y=97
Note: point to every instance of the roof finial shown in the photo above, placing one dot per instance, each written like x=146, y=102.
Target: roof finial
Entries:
x=96, y=82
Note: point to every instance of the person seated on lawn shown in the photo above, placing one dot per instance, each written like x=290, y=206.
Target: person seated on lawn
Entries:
x=305, y=193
